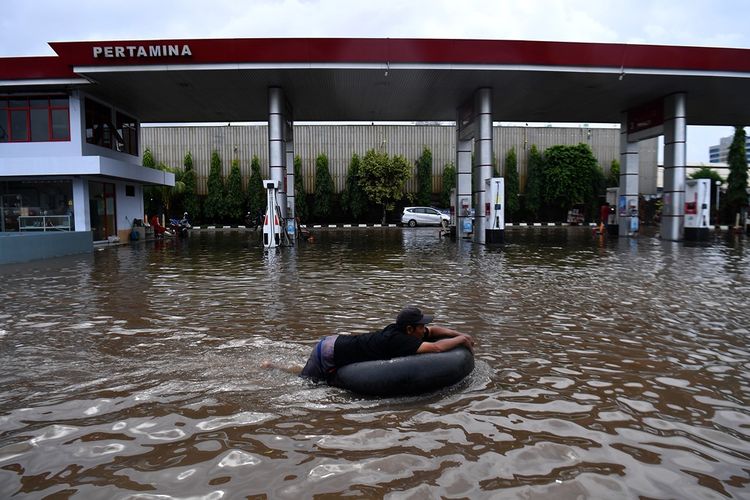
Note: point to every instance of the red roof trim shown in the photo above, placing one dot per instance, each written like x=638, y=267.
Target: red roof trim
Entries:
x=394, y=51
x=32, y=68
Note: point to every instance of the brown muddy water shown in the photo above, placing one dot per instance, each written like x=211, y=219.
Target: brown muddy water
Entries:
x=604, y=369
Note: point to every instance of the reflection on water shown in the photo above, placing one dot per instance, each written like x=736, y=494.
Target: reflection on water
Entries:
x=605, y=369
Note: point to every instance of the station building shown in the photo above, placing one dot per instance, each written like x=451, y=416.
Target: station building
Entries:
x=70, y=172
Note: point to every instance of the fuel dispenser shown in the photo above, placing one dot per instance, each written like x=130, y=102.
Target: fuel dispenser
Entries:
x=466, y=216
x=271, y=222
x=494, y=211
x=697, y=209
x=452, y=223
x=613, y=227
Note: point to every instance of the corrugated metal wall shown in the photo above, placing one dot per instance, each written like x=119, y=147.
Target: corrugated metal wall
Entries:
x=170, y=144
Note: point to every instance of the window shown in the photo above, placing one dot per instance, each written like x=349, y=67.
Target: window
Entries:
x=127, y=128
x=98, y=124
x=34, y=119
x=122, y=135
x=33, y=202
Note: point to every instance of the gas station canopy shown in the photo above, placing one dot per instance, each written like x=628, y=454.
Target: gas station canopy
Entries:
x=227, y=80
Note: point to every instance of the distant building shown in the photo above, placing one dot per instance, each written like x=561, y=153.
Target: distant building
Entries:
x=169, y=144
x=719, y=153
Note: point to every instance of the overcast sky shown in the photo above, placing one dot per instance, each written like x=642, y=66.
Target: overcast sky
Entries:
x=27, y=25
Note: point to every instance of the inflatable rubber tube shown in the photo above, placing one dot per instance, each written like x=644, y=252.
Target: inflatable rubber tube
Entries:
x=406, y=375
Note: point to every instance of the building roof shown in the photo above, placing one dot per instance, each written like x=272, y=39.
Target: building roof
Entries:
x=355, y=79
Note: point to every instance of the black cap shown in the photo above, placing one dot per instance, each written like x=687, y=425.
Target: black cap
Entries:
x=411, y=315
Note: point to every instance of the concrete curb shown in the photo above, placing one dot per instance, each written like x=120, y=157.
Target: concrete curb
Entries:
x=355, y=226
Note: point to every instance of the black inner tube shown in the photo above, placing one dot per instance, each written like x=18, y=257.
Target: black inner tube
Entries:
x=406, y=375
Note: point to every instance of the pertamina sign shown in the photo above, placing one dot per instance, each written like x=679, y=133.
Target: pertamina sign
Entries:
x=140, y=51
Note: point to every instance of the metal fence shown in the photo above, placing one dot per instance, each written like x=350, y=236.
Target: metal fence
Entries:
x=169, y=145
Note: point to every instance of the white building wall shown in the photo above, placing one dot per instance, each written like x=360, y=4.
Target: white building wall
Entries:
x=127, y=208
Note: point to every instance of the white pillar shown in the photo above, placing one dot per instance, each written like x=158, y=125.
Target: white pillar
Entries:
x=289, y=146
x=81, y=214
x=276, y=144
x=627, y=223
x=482, y=169
x=675, y=140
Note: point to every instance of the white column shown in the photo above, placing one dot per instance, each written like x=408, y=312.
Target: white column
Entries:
x=627, y=223
x=81, y=214
x=675, y=140
x=276, y=145
x=482, y=169
x=289, y=146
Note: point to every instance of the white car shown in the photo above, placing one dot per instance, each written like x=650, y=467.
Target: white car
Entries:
x=424, y=216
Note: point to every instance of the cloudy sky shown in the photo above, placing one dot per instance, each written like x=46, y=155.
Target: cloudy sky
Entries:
x=27, y=25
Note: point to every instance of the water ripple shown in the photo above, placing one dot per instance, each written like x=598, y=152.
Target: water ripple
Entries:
x=604, y=369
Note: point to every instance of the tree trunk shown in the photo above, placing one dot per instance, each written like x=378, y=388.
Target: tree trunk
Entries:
x=383, y=221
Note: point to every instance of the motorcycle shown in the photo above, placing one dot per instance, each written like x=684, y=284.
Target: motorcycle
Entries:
x=180, y=227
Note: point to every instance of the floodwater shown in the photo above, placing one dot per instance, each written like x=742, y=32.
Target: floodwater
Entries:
x=604, y=369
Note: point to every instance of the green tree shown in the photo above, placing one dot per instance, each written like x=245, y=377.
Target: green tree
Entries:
x=613, y=179
x=707, y=173
x=324, y=189
x=256, y=194
x=148, y=158
x=449, y=182
x=235, y=198
x=736, y=197
x=214, y=208
x=424, y=177
x=383, y=178
x=534, y=182
x=511, y=183
x=570, y=176
x=191, y=202
x=161, y=199
x=300, y=196
x=151, y=194
x=354, y=199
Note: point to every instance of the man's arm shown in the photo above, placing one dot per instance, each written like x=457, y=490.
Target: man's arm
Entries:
x=440, y=332
x=446, y=344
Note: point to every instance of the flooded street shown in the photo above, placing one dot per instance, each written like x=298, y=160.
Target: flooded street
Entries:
x=604, y=369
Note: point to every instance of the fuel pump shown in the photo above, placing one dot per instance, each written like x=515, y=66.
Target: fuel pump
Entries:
x=271, y=223
x=452, y=223
x=697, y=209
x=453, y=207
x=467, y=215
x=613, y=227
x=494, y=210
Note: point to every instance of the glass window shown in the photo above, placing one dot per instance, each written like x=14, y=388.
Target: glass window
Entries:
x=19, y=130
x=4, y=129
x=36, y=205
x=98, y=124
x=127, y=129
x=60, y=125
x=39, y=124
x=34, y=119
x=39, y=103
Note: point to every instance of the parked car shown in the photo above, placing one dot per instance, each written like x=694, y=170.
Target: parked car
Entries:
x=424, y=216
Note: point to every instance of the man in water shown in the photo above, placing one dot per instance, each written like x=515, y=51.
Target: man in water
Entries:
x=407, y=336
